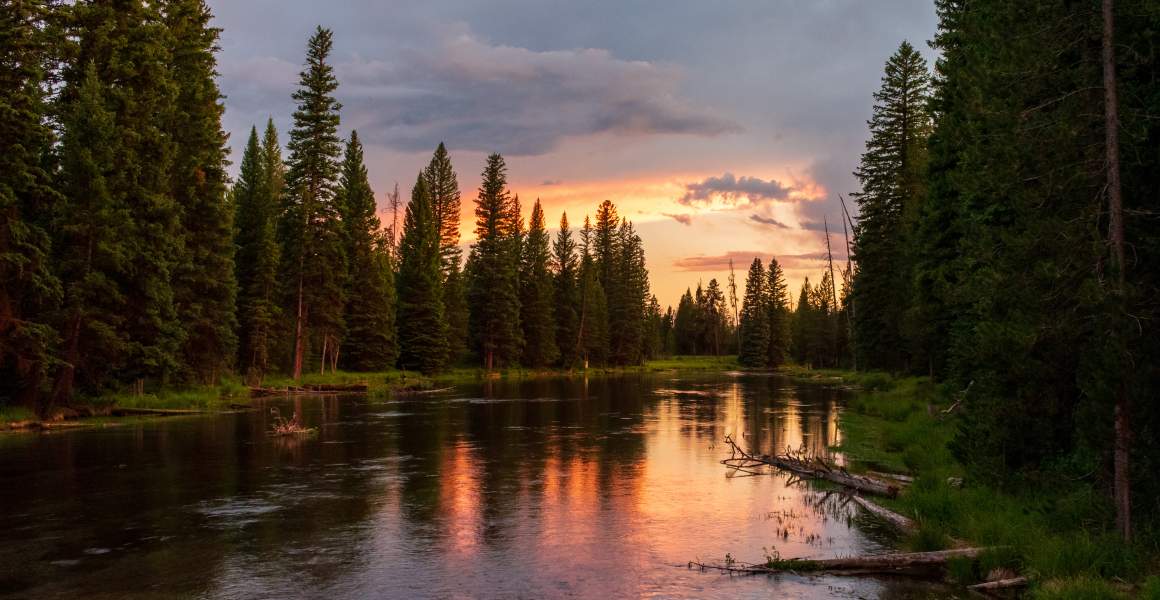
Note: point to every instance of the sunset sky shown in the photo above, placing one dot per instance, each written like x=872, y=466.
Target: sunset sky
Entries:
x=721, y=129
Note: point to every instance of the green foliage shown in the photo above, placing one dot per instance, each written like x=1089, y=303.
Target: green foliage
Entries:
x=567, y=294
x=537, y=316
x=255, y=197
x=755, y=314
x=422, y=329
x=313, y=258
x=370, y=343
x=29, y=289
x=892, y=177
x=493, y=289
x=205, y=289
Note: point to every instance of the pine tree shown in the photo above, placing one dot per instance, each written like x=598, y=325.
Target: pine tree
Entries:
x=777, y=303
x=128, y=47
x=755, y=340
x=493, y=291
x=310, y=232
x=444, y=187
x=628, y=299
x=567, y=294
x=93, y=251
x=256, y=259
x=593, y=329
x=422, y=334
x=714, y=318
x=892, y=176
x=205, y=290
x=802, y=326
x=685, y=325
x=443, y=184
x=536, y=294
x=370, y=299
x=29, y=289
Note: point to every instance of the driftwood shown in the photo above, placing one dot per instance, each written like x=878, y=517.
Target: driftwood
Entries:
x=416, y=391
x=1001, y=584
x=902, y=479
x=907, y=563
x=901, y=522
x=804, y=467
x=128, y=411
x=258, y=392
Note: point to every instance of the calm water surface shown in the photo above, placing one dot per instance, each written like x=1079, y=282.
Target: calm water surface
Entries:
x=556, y=488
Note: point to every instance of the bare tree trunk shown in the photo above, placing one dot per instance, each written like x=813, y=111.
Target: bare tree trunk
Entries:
x=298, y=332
x=850, y=316
x=1123, y=426
x=323, y=357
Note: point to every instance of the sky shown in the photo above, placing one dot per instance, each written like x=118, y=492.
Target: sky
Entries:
x=722, y=130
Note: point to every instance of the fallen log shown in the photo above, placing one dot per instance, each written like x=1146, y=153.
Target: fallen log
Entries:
x=815, y=469
x=258, y=392
x=1001, y=584
x=902, y=479
x=907, y=563
x=129, y=411
x=899, y=521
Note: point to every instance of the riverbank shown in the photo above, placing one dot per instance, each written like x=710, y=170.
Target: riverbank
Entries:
x=1058, y=534
x=231, y=394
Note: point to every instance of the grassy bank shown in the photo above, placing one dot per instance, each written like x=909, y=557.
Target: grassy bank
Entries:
x=231, y=392
x=1058, y=534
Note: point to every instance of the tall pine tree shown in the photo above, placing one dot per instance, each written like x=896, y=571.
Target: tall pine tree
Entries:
x=443, y=184
x=754, y=350
x=29, y=289
x=777, y=303
x=205, y=290
x=370, y=298
x=493, y=291
x=422, y=330
x=256, y=257
x=536, y=294
x=310, y=232
x=567, y=294
x=892, y=175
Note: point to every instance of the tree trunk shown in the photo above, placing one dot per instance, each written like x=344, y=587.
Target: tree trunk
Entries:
x=1123, y=426
x=298, y=333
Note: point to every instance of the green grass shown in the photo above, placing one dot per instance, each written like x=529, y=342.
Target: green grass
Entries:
x=11, y=414
x=1059, y=536
x=200, y=397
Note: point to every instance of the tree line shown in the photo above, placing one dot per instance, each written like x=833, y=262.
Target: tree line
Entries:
x=1007, y=240
x=129, y=259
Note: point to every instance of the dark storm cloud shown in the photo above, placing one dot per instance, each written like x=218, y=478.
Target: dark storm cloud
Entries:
x=682, y=219
x=720, y=262
x=734, y=191
x=481, y=96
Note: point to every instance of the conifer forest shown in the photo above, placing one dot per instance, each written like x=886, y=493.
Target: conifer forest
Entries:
x=974, y=336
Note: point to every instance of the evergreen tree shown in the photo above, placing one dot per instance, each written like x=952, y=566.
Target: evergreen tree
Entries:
x=755, y=311
x=256, y=257
x=802, y=327
x=370, y=294
x=444, y=187
x=654, y=338
x=892, y=176
x=714, y=334
x=536, y=294
x=310, y=232
x=567, y=294
x=29, y=289
x=422, y=331
x=685, y=325
x=93, y=251
x=205, y=289
x=493, y=291
x=627, y=303
x=777, y=303
x=128, y=48
x=593, y=338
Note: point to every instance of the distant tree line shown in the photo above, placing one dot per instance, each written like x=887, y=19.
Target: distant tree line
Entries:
x=127, y=258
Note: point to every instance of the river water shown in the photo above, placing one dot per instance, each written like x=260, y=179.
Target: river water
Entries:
x=604, y=488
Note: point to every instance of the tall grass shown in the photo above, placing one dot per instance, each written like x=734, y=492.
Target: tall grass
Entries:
x=1059, y=535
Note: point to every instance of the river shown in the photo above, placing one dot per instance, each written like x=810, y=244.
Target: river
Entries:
x=604, y=488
